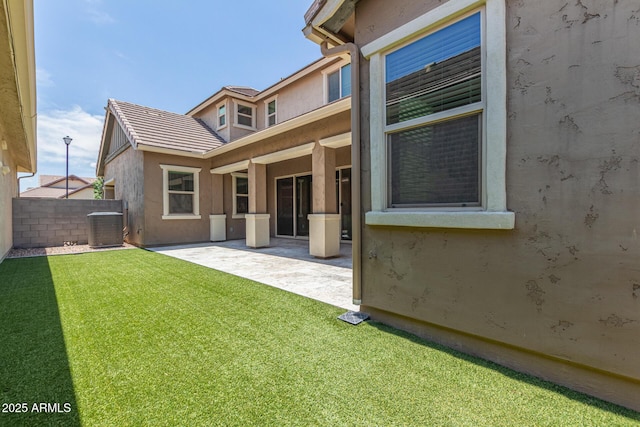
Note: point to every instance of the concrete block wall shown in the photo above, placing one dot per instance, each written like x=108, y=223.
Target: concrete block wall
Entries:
x=52, y=222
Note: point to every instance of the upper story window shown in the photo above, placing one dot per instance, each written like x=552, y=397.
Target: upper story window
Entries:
x=438, y=129
x=339, y=83
x=271, y=113
x=181, y=192
x=222, y=116
x=245, y=116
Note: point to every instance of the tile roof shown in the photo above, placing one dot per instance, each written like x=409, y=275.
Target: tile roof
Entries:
x=243, y=90
x=52, y=192
x=46, y=180
x=163, y=129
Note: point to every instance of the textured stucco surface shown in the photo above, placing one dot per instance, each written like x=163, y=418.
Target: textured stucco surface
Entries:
x=565, y=282
x=8, y=190
x=127, y=170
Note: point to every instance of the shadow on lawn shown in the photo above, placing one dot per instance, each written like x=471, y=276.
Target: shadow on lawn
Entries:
x=36, y=387
x=571, y=394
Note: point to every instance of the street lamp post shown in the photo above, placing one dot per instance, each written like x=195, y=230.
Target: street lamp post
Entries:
x=67, y=141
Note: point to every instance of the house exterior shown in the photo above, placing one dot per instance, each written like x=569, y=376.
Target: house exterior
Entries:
x=55, y=187
x=500, y=178
x=17, y=107
x=243, y=164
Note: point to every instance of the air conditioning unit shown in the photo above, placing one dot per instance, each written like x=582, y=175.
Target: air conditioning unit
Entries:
x=105, y=229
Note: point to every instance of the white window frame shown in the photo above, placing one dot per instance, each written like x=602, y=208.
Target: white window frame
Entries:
x=165, y=191
x=326, y=73
x=237, y=104
x=234, y=177
x=493, y=213
x=226, y=115
x=266, y=111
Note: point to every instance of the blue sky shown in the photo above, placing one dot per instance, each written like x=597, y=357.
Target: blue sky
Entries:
x=164, y=54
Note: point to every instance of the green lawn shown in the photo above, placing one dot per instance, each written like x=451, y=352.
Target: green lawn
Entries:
x=134, y=338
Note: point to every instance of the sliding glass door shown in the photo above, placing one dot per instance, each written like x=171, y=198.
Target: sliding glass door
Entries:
x=294, y=200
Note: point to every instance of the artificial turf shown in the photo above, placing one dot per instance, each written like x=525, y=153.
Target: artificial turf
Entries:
x=133, y=338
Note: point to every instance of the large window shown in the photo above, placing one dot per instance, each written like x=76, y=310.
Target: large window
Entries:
x=433, y=118
x=240, y=194
x=438, y=120
x=339, y=83
x=180, y=192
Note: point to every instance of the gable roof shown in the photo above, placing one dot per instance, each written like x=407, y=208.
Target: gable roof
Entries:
x=163, y=129
x=48, y=180
x=150, y=129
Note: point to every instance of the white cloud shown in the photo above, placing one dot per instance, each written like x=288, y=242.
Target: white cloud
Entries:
x=86, y=131
x=43, y=78
x=99, y=16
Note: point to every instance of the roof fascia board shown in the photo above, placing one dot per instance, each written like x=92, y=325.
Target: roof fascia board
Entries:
x=216, y=97
x=296, y=122
x=321, y=63
x=160, y=150
x=286, y=154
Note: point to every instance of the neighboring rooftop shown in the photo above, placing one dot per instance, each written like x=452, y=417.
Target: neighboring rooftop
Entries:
x=55, y=186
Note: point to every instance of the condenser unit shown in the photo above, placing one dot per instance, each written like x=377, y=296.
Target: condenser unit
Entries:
x=105, y=229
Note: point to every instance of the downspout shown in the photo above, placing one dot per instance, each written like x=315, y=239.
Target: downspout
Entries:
x=356, y=243
x=19, y=178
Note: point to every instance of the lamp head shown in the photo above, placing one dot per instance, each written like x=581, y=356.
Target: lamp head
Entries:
x=67, y=140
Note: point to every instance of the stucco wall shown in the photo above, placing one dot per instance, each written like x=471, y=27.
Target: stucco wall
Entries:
x=565, y=282
x=340, y=123
x=160, y=231
x=127, y=170
x=8, y=190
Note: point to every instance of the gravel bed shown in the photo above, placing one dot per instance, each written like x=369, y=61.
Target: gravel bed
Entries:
x=61, y=250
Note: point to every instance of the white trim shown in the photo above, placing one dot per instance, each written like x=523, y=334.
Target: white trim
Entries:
x=171, y=151
x=337, y=141
x=424, y=23
x=165, y=191
x=440, y=219
x=286, y=154
x=236, y=104
x=232, y=167
x=234, y=176
x=266, y=111
x=493, y=213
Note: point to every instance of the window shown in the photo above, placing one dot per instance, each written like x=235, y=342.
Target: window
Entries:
x=271, y=113
x=433, y=118
x=245, y=116
x=222, y=116
x=339, y=83
x=438, y=125
x=181, y=192
x=240, y=194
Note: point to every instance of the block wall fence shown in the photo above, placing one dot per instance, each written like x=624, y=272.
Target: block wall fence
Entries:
x=52, y=222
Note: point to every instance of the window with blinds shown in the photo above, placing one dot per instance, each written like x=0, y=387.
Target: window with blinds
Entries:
x=433, y=96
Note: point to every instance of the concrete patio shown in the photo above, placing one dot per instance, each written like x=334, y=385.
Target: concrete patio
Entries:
x=285, y=264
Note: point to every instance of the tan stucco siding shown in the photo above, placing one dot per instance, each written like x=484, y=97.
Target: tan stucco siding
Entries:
x=169, y=231
x=8, y=190
x=127, y=170
x=564, y=283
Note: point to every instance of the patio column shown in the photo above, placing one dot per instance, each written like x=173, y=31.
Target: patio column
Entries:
x=257, y=220
x=217, y=219
x=324, y=222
